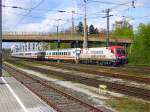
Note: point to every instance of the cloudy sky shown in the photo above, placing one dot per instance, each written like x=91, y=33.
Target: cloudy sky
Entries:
x=41, y=15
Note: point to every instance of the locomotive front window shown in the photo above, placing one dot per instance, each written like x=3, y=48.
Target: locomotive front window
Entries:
x=112, y=51
x=120, y=51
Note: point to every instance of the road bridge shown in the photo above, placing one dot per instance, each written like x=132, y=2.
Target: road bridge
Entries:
x=65, y=37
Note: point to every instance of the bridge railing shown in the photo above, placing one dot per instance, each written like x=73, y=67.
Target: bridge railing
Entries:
x=24, y=33
x=63, y=36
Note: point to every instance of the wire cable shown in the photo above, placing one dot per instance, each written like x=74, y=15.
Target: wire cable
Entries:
x=29, y=12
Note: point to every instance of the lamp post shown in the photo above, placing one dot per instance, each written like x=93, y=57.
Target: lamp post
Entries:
x=58, y=39
x=85, y=42
x=72, y=25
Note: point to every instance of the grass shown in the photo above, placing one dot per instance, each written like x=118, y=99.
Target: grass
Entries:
x=138, y=64
x=128, y=105
x=5, y=74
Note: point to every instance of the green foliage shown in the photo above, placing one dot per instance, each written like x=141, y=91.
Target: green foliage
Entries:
x=93, y=30
x=140, y=52
x=53, y=45
x=62, y=45
x=124, y=32
x=6, y=53
x=128, y=105
x=80, y=27
x=65, y=45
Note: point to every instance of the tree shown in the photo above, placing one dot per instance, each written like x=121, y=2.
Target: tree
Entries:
x=96, y=31
x=123, y=29
x=6, y=53
x=141, y=49
x=124, y=32
x=91, y=29
x=80, y=27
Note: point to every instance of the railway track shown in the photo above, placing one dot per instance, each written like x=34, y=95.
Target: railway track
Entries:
x=59, y=100
x=136, y=69
x=97, y=72
x=121, y=88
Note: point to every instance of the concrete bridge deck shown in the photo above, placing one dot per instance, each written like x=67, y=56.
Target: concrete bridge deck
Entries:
x=47, y=37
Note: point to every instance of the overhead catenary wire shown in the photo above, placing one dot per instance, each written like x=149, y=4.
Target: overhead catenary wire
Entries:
x=29, y=12
x=89, y=16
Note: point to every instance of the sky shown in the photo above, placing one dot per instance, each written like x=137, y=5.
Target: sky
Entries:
x=42, y=15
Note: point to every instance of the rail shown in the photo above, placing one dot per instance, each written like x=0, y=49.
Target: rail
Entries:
x=35, y=80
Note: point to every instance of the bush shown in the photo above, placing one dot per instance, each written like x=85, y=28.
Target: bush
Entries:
x=141, y=49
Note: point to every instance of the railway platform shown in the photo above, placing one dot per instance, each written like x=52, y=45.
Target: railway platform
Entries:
x=14, y=97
